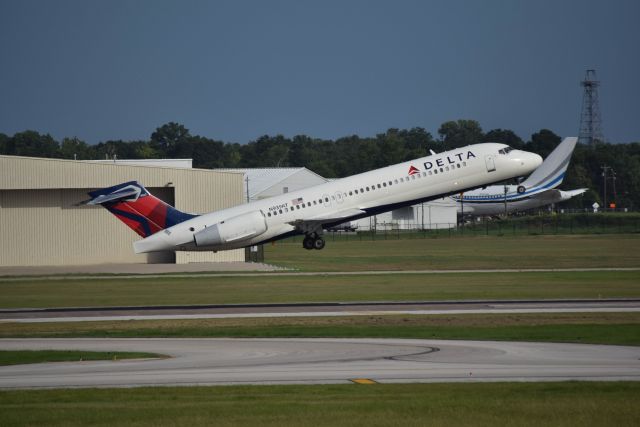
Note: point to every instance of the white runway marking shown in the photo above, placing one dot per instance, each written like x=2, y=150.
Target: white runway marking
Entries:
x=312, y=361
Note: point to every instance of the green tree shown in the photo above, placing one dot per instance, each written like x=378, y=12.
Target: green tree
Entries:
x=205, y=152
x=4, y=140
x=120, y=149
x=144, y=151
x=391, y=147
x=266, y=151
x=166, y=139
x=460, y=133
x=302, y=151
x=417, y=143
x=74, y=148
x=543, y=142
x=504, y=136
x=351, y=155
x=32, y=144
x=231, y=155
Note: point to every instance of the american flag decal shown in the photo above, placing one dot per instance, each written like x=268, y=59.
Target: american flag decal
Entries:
x=297, y=201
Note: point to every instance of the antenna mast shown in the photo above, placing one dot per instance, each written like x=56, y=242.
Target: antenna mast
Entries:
x=590, y=119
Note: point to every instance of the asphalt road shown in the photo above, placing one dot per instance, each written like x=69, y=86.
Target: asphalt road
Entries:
x=315, y=309
x=312, y=361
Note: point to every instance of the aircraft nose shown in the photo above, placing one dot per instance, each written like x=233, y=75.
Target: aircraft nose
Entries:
x=536, y=160
x=527, y=162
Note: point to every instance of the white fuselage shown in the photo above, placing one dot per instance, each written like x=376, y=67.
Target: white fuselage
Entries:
x=493, y=200
x=357, y=196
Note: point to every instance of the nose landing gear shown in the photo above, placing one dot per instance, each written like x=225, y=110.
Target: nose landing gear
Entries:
x=313, y=242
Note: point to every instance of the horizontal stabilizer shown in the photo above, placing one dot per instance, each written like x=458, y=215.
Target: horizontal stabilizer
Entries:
x=554, y=195
x=567, y=194
x=130, y=193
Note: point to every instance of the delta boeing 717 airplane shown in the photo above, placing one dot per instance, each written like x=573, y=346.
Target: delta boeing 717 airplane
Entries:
x=308, y=211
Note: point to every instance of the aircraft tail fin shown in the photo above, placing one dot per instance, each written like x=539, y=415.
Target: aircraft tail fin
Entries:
x=551, y=172
x=132, y=204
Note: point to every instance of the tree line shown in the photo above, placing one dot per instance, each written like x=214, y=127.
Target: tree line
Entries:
x=351, y=154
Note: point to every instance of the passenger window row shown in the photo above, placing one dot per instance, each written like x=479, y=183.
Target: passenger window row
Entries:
x=371, y=188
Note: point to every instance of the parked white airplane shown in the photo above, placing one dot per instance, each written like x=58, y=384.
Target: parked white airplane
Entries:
x=307, y=211
x=538, y=190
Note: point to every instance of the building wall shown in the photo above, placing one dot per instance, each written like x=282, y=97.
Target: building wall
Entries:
x=432, y=215
x=41, y=223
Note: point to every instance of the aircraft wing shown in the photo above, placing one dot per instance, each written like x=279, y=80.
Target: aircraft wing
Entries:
x=315, y=224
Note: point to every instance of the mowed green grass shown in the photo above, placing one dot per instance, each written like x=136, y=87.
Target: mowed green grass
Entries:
x=593, y=328
x=405, y=405
x=482, y=252
x=21, y=357
x=40, y=293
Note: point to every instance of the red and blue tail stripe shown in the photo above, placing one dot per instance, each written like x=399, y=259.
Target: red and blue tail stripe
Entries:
x=132, y=204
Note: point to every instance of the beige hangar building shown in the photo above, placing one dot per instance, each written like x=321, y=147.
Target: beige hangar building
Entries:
x=42, y=223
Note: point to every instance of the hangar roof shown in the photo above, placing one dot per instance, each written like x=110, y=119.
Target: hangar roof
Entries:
x=18, y=172
x=172, y=163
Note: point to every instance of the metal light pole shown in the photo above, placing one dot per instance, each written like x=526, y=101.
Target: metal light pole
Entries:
x=505, y=201
x=605, y=168
x=615, y=194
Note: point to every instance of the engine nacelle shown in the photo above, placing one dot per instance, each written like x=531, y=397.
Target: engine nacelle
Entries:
x=239, y=227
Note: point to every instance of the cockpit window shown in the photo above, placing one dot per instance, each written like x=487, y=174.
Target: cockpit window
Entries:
x=505, y=150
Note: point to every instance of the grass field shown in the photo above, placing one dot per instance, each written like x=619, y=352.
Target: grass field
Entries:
x=490, y=404
x=490, y=252
x=594, y=328
x=41, y=356
x=517, y=404
x=317, y=288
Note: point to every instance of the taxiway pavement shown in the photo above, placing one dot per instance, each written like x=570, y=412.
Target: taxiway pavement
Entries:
x=313, y=361
x=80, y=314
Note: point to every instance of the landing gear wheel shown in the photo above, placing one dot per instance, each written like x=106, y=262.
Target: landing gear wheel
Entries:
x=318, y=243
x=308, y=243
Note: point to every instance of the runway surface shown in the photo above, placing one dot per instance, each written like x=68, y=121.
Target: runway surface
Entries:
x=315, y=310
x=313, y=361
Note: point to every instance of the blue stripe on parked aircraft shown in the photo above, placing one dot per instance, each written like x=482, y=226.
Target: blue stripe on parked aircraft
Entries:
x=500, y=197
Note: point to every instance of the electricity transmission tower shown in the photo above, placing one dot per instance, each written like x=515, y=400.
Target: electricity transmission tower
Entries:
x=590, y=120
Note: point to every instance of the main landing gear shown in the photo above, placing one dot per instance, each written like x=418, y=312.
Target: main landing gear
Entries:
x=313, y=241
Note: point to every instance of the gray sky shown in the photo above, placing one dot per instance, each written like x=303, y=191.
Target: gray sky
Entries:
x=235, y=70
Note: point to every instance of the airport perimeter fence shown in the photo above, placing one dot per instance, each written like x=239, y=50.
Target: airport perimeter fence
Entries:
x=514, y=226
